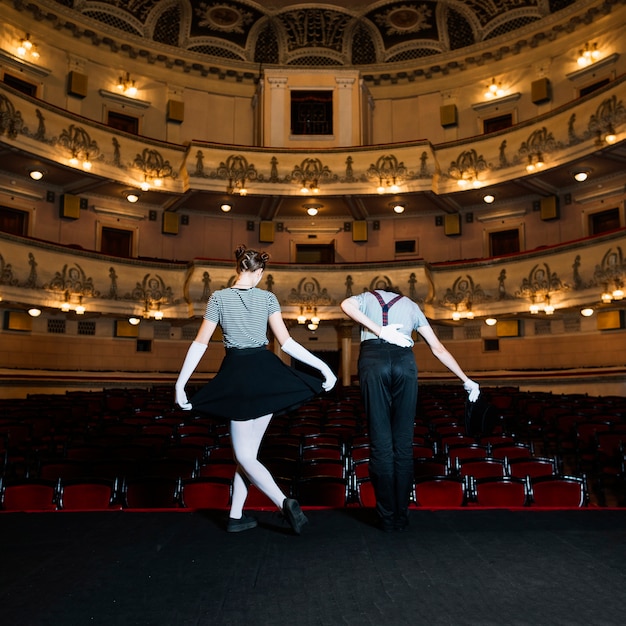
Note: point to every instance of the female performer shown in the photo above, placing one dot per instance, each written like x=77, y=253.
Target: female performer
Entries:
x=252, y=382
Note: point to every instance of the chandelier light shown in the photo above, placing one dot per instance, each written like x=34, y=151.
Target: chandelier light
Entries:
x=494, y=90
x=27, y=48
x=588, y=54
x=126, y=85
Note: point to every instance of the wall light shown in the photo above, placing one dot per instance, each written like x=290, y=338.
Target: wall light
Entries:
x=27, y=48
x=581, y=176
x=312, y=208
x=535, y=162
x=132, y=195
x=610, y=137
x=312, y=322
x=312, y=187
x=126, y=85
x=588, y=54
x=494, y=90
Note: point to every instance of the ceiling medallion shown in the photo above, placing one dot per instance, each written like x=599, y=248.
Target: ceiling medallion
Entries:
x=223, y=18
x=405, y=19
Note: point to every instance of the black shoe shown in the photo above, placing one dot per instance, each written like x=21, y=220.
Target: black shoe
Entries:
x=245, y=522
x=296, y=518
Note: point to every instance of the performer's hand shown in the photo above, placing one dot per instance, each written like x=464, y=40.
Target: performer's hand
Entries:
x=472, y=389
x=330, y=380
x=391, y=334
x=181, y=399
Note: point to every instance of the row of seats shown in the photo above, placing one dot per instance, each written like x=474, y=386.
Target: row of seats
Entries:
x=126, y=436
x=215, y=492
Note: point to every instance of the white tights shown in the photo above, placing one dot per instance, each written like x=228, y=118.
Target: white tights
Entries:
x=246, y=439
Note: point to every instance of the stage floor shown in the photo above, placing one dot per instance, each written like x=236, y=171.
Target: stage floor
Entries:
x=470, y=567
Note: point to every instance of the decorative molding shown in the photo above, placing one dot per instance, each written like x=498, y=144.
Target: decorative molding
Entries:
x=592, y=69
x=122, y=99
x=21, y=65
x=21, y=193
x=500, y=215
x=119, y=212
x=299, y=230
x=496, y=102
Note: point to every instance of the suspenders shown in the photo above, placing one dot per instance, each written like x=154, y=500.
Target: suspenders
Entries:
x=385, y=305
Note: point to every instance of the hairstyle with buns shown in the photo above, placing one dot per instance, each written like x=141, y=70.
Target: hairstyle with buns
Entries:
x=249, y=260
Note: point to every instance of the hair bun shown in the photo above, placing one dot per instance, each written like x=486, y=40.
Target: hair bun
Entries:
x=240, y=251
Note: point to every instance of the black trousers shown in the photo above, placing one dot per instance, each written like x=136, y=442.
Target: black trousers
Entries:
x=388, y=379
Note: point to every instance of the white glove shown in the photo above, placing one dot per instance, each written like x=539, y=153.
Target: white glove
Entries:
x=194, y=354
x=391, y=334
x=295, y=350
x=472, y=389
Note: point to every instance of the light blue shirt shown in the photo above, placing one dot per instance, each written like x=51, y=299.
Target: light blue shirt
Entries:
x=404, y=312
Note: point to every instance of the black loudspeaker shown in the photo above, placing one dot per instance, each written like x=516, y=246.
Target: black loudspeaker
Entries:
x=77, y=84
x=69, y=206
x=175, y=111
x=549, y=208
x=170, y=223
x=448, y=115
x=452, y=224
x=540, y=90
x=359, y=230
x=266, y=231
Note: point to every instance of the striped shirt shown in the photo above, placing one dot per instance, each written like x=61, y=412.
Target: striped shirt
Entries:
x=404, y=312
x=242, y=315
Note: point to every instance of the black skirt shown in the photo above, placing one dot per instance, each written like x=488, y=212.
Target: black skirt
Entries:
x=252, y=382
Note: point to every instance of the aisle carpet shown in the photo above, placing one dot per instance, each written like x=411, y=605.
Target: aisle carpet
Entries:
x=460, y=567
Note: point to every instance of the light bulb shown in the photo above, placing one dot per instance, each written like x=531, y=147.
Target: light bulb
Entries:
x=491, y=321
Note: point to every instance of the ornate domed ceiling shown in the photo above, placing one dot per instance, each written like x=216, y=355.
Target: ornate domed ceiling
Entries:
x=331, y=34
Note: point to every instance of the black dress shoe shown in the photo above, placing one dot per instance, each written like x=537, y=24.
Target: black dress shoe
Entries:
x=296, y=518
x=245, y=522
